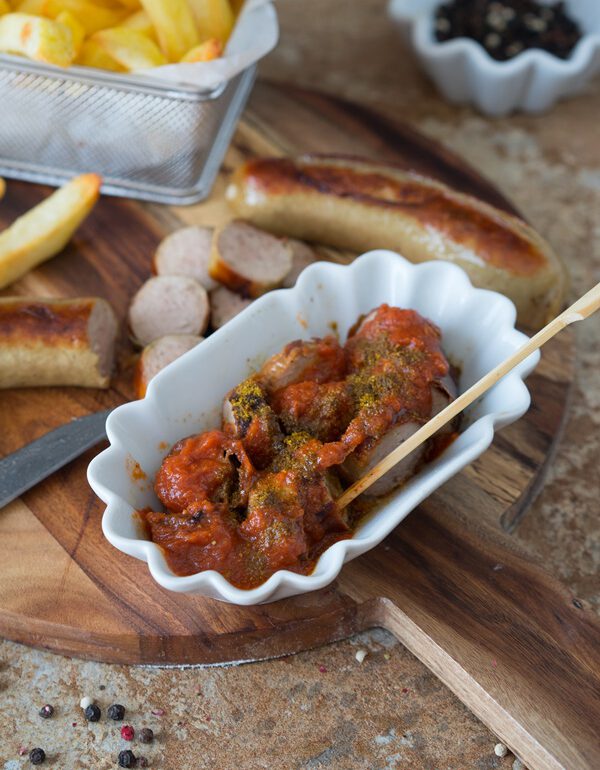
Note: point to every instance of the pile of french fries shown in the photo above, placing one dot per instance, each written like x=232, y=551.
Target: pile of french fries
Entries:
x=116, y=35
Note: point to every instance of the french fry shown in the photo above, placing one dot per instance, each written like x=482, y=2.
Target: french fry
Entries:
x=91, y=15
x=236, y=6
x=210, y=49
x=93, y=55
x=77, y=29
x=36, y=38
x=175, y=26
x=2, y=187
x=131, y=5
x=131, y=49
x=213, y=17
x=45, y=230
x=4, y=7
x=141, y=22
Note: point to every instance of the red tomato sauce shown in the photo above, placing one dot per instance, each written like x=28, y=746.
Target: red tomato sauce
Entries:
x=259, y=494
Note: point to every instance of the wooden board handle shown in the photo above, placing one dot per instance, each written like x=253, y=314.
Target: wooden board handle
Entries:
x=582, y=308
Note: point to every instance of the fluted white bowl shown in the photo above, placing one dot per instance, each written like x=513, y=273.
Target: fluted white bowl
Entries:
x=532, y=82
x=185, y=398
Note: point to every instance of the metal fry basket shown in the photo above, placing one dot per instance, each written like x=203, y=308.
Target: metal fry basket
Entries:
x=147, y=139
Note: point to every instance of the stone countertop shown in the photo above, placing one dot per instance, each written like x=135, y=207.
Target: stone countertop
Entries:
x=325, y=709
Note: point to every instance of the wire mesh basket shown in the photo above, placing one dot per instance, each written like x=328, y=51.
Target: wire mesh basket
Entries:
x=147, y=139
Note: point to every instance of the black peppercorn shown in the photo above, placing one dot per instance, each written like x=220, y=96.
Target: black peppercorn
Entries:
x=146, y=735
x=37, y=756
x=46, y=711
x=92, y=713
x=126, y=758
x=116, y=712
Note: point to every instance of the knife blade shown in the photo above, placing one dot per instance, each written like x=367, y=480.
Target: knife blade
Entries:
x=34, y=462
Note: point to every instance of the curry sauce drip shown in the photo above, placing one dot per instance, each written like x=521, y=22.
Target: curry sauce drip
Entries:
x=259, y=494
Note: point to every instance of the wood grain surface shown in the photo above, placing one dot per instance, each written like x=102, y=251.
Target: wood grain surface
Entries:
x=450, y=582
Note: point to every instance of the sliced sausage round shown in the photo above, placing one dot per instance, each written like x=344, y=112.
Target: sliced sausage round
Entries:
x=159, y=354
x=186, y=252
x=168, y=304
x=225, y=305
x=302, y=256
x=248, y=260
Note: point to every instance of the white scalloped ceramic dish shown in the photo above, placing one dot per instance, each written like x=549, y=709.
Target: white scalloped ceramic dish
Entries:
x=533, y=81
x=185, y=398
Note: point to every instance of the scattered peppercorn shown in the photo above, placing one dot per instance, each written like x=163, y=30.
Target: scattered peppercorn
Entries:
x=92, y=713
x=85, y=702
x=116, y=712
x=126, y=758
x=146, y=735
x=127, y=733
x=505, y=28
x=500, y=750
x=46, y=711
x=37, y=756
x=158, y=712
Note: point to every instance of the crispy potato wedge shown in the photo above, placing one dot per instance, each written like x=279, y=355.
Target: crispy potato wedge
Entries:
x=2, y=187
x=131, y=49
x=213, y=17
x=92, y=54
x=92, y=15
x=76, y=27
x=175, y=26
x=45, y=230
x=210, y=49
x=4, y=7
x=36, y=38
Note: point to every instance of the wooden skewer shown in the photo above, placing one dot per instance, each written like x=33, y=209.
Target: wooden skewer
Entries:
x=584, y=307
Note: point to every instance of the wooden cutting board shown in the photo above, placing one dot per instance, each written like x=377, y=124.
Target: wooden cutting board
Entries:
x=450, y=582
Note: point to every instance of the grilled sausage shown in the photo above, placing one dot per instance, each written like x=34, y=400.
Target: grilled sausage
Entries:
x=56, y=342
x=186, y=252
x=168, y=304
x=360, y=205
x=248, y=260
x=225, y=305
x=159, y=354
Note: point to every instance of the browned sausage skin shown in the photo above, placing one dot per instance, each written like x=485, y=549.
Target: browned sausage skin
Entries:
x=56, y=342
x=360, y=205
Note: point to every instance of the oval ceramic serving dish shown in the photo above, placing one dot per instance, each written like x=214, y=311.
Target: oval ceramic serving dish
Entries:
x=185, y=398
x=532, y=81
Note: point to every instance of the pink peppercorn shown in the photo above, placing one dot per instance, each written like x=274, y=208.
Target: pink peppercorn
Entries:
x=127, y=732
x=322, y=669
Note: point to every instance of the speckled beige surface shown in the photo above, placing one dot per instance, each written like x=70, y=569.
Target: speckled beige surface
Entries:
x=323, y=709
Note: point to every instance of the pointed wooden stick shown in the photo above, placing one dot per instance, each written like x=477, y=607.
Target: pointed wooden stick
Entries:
x=579, y=310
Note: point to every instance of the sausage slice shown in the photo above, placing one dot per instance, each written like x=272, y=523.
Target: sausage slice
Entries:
x=159, y=354
x=56, y=342
x=186, y=252
x=168, y=304
x=225, y=305
x=302, y=256
x=371, y=452
x=248, y=260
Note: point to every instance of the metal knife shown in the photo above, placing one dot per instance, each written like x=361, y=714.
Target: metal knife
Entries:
x=26, y=467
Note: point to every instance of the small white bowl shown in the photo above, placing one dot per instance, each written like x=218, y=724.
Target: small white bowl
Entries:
x=185, y=398
x=532, y=82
